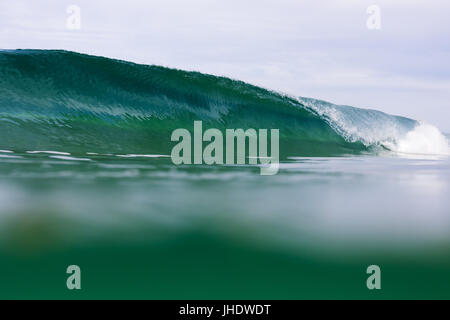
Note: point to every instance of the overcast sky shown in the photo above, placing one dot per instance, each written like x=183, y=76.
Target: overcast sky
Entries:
x=315, y=48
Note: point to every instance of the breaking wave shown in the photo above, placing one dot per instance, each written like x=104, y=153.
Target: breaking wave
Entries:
x=66, y=101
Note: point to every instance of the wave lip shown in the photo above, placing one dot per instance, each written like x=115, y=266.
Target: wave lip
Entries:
x=377, y=129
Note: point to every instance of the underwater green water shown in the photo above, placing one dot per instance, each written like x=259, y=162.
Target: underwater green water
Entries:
x=144, y=228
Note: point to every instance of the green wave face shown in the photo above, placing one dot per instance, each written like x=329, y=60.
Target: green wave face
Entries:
x=65, y=101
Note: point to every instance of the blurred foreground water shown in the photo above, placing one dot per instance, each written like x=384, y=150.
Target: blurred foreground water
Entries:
x=140, y=227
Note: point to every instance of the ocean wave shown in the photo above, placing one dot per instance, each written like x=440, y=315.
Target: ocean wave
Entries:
x=59, y=100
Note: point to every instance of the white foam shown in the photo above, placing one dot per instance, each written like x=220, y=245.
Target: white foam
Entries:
x=70, y=158
x=10, y=157
x=424, y=139
x=143, y=156
x=50, y=152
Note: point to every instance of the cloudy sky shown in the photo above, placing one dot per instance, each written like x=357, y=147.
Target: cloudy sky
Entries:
x=314, y=48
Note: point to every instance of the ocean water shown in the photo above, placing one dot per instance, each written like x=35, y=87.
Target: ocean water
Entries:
x=85, y=179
